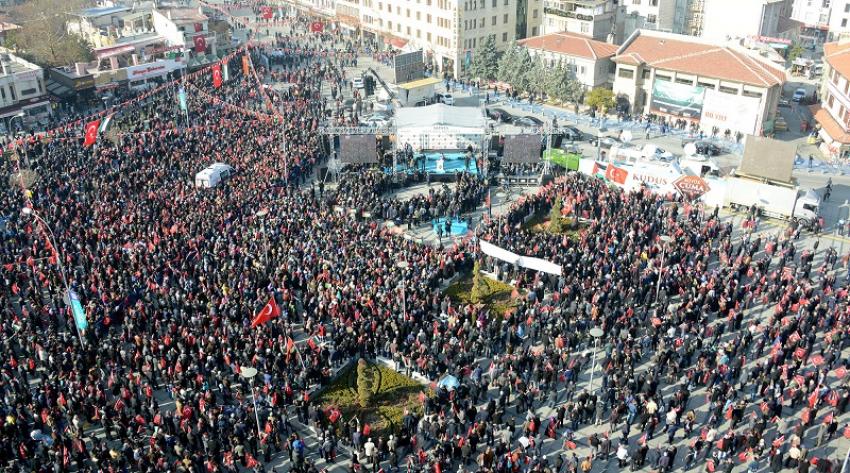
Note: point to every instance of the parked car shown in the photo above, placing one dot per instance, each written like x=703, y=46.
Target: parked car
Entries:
x=528, y=121
x=707, y=149
x=784, y=103
x=499, y=115
x=605, y=141
x=357, y=83
x=571, y=133
x=447, y=99
x=799, y=95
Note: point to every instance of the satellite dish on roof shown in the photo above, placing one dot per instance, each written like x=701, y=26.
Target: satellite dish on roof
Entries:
x=690, y=149
x=626, y=136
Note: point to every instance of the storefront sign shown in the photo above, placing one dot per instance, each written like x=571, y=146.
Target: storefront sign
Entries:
x=153, y=69
x=566, y=14
x=691, y=187
x=730, y=112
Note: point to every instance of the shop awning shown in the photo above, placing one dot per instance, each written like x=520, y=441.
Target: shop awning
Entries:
x=830, y=125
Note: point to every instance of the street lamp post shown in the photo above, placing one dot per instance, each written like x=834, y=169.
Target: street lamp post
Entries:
x=664, y=240
x=62, y=273
x=599, y=132
x=403, y=265
x=248, y=373
x=841, y=223
x=596, y=333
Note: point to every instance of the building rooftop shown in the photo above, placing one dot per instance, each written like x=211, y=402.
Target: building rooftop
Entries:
x=571, y=44
x=829, y=124
x=102, y=11
x=419, y=83
x=184, y=15
x=837, y=55
x=691, y=56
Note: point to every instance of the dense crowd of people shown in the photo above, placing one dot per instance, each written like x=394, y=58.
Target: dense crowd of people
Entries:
x=727, y=345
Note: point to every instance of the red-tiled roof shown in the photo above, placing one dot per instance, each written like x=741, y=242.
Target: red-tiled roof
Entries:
x=838, y=57
x=571, y=44
x=697, y=58
x=830, y=125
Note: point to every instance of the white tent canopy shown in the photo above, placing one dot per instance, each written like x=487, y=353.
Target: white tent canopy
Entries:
x=440, y=126
x=440, y=115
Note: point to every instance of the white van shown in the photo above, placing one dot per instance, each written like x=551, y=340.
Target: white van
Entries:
x=213, y=175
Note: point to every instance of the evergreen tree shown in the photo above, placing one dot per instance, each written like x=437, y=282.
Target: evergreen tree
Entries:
x=538, y=75
x=479, y=286
x=508, y=64
x=485, y=61
x=555, y=217
x=364, y=383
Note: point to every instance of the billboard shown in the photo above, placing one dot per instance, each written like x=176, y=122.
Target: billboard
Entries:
x=730, y=112
x=562, y=158
x=522, y=149
x=409, y=67
x=679, y=100
x=358, y=149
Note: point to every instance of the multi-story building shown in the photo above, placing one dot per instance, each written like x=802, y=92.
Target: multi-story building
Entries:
x=814, y=18
x=682, y=78
x=661, y=15
x=594, y=18
x=589, y=59
x=724, y=20
x=694, y=14
x=833, y=113
x=22, y=91
x=448, y=31
x=838, y=27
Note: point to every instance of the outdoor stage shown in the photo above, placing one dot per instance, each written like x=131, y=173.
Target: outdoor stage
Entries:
x=454, y=162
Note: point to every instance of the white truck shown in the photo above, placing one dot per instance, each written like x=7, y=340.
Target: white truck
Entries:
x=773, y=200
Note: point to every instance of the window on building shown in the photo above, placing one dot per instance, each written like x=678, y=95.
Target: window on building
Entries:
x=581, y=69
x=507, y=2
x=749, y=93
x=843, y=22
x=428, y=36
x=662, y=77
x=3, y=93
x=830, y=100
x=653, y=3
x=418, y=33
x=645, y=74
x=390, y=25
x=408, y=12
x=651, y=18
x=418, y=16
x=846, y=86
x=585, y=28
x=481, y=24
x=428, y=18
x=408, y=31
x=706, y=85
x=504, y=37
x=847, y=8
x=728, y=90
x=12, y=91
x=626, y=73
x=534, y=13
x=635, y=2
x=28, y=92
x=505, y=19
x=534, y=31
x=494, y=20
x=680, y=80
x=495, y=3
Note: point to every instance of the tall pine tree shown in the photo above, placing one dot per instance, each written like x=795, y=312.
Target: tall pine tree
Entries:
x=485, y=61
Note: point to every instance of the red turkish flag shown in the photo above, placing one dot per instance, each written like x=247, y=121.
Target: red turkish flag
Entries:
x=200, y=43
x=268, y=312
x=616, y=174
x=267, y=12
x=317, y=27
x=800, y=352
x=216, y=73
x=840, y=371
x=91, y=133
x=816, y=360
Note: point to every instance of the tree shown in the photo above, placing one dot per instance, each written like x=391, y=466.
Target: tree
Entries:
x=485, y=61
x=43, y=38
x=562, y=85
x=537, y=75
x=555, y=217
x=479, y=286
x=600, y=99
x=795, y=52
x=508, y=64
x=364, y=383
x=524, y=66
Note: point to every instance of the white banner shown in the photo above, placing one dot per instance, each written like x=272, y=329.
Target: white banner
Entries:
x=490, y=249
x=541, y=265
x=729, y=112
x=528, y=262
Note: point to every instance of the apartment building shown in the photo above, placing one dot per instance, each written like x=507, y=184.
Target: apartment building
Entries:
x=725, y=20
x=22, y=91
x=588, y=59
x=833, y=113
x=448, y=31
x=594, y=18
